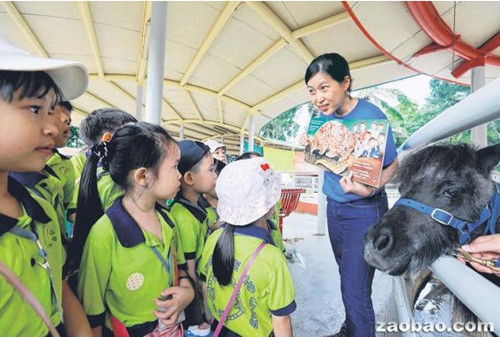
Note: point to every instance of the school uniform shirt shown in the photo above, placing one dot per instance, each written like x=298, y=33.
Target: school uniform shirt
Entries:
x=64, y=170
x=120, y=272
x=78, y=162
x=276, y=235
x=193, y=228
x=106, y=187
x=21, y=255
x=212, y=215
x=47, y=185
x=268, y=288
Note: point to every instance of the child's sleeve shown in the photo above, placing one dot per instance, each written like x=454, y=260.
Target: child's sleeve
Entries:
x=94, y=273
x=281, y=298
x=69, y=188
x=187, y=233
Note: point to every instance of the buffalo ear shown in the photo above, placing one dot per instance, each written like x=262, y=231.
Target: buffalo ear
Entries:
x=487, y=158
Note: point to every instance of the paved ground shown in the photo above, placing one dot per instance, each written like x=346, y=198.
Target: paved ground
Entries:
x=317, y=285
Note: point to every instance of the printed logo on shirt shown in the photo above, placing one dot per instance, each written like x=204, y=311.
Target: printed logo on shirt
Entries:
x=135, y=281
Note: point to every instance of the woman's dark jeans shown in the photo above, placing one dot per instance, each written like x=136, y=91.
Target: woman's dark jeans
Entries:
x=347, y=224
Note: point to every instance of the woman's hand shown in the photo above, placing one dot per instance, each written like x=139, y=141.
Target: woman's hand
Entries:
x=351, y=186
x=484, y=247
x=303, y=139
x=181, y=297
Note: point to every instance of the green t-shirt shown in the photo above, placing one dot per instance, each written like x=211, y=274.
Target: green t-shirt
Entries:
x=276, y=235
x=192, y=229
x=64, y=170
x=47, y=185
x=78, y=162
x=268, y=287
x=120, y=272
x=17, y=318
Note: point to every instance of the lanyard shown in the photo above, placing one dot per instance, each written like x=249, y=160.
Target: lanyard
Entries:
x=165, y=264
x=33, y=236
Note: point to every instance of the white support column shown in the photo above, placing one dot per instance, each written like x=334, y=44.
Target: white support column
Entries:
x=181, y=132
x=138, y=102
x=251, y=129
x=242, y=143
x=156, y=62
x=479, y=135
x=321, y=229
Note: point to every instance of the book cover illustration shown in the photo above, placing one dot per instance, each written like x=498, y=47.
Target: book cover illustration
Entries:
x=356, y=145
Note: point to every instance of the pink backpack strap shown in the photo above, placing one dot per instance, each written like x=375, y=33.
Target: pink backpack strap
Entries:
x=237, y=289
x=28, y=296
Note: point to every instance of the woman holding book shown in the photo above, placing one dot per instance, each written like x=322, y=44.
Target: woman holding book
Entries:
x=351, y=206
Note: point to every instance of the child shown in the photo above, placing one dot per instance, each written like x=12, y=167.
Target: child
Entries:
x=56, y=182
x=29, y=89
x=124, y=265
x=248, y=191
x=209, y=200
x=197, y=169
x=273, y=220
x=98, y=126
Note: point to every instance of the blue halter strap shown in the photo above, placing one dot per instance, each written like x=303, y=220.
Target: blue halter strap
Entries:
x=489, y=215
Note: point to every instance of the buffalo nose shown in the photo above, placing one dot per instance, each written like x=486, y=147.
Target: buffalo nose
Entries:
x=384, y=241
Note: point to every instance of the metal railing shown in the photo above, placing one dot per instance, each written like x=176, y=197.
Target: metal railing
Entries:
x=480, y=295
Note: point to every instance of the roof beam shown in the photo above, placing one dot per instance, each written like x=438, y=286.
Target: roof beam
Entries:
x=320, y=25
x=88, y=23
x=190, y=100
x=18, y=19
x=172, y=108
x=98, y=99
x=144, y=44
x=210, y=38
x=297, y=86
x=219, y=107
x=356, y=65
x=254, y=64
x=268, y=15
x=209, y=122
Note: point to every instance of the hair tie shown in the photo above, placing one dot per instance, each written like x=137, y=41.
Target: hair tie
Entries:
x=100, y=150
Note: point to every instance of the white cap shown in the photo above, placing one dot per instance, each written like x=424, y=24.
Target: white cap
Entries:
x=214, y=145
x=70, y=76
x=247, y=190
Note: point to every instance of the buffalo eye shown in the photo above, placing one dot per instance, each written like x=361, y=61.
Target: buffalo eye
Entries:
x=451, y=193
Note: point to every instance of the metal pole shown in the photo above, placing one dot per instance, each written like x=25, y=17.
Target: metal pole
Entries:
x=321, y=204
x=242, y=143
x=156, y=62
x=251, y=128
x=479, y=135
x=181, y=132
x=138, y=102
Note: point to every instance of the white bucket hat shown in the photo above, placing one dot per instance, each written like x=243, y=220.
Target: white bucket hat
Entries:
x=70, y=76
x=247, y=189
x=214, y=145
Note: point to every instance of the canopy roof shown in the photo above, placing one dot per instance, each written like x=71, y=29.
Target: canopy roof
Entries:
x=226, y=61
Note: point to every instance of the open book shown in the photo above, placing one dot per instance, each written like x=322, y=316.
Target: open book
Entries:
x=356, y=145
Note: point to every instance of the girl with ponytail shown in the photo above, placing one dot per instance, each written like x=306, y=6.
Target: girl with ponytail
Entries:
x=132, y=252
x=248, y=191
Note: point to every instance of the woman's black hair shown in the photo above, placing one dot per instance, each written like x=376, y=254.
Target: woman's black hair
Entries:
x=103, y=120
x=132, y=146
x=223, y=256
x=31, y=83
x=332, y=64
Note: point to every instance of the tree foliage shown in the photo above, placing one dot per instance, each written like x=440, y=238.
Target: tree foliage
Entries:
x=74, y=137
x=405, y=115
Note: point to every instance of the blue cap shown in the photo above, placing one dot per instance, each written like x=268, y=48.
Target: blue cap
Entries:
x=191, y=153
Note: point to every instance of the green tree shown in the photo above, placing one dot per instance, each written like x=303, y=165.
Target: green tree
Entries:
x=283, y=127
x=74, y=137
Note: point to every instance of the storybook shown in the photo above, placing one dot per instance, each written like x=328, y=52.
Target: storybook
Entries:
x=341, y=146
